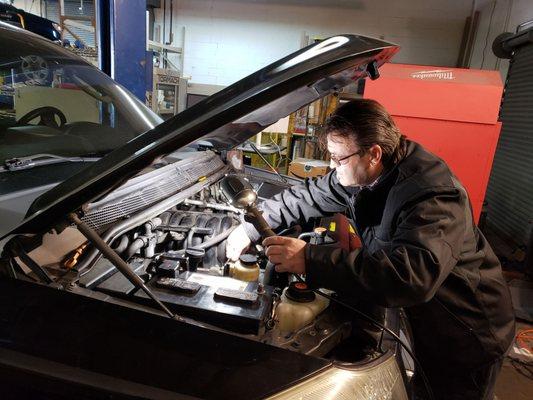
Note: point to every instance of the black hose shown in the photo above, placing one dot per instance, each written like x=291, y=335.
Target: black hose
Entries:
x=188, y=241
x=192, y=231
x=216, y=239
x=18, y=250
x=306, y=235
x=135, y=246
x=122, y=245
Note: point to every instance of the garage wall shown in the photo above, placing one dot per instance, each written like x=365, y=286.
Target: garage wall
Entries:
x=227, y=40
x=33, y=6
x=510, y=189
x=497, y=16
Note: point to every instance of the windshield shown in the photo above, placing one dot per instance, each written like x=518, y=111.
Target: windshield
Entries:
x=53, y=102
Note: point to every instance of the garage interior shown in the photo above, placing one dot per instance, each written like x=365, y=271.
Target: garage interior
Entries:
x=461, y=85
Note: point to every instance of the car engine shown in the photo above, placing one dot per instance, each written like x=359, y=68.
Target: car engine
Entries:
x=177, y=246
x=181, y=255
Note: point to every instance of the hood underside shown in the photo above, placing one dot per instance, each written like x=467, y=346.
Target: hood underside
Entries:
x=222, y=121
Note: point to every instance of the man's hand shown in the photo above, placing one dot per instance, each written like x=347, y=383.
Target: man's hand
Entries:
x=236, y=243
x=286, y=253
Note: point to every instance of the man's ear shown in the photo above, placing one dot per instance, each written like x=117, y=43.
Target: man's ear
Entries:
x=375, y=153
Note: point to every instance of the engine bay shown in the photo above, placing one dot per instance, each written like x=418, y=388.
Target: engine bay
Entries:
x=181, y=255
x=177, y=247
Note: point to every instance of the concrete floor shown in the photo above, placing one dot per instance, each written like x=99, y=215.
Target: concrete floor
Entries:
x=511, y=384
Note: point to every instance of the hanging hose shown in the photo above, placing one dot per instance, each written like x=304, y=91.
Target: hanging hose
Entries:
x=122, y=244
x=134, y=247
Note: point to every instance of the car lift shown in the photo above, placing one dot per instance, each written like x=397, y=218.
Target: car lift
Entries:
x=121, y=39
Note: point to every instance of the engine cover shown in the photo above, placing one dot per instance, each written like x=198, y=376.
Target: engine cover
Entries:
x=206, y=304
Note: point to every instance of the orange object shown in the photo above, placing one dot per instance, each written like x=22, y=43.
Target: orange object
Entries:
x=22, y=22
x=452, y=112
x=73, y=258
x=341, y=230
x=524, y=340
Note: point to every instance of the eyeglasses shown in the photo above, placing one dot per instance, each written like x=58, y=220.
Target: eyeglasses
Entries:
x=343, y=160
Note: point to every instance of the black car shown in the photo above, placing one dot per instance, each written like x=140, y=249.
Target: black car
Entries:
x=116, y=284
x=55, y=110
x=31, y=22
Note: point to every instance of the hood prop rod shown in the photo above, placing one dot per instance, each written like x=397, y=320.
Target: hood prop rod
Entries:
x=118, y=262
x=258, y=152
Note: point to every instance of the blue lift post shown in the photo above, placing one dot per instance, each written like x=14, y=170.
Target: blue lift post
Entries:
x=121, y=36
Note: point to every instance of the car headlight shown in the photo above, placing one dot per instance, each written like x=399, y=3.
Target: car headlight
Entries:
x=376, y=382
x=57, y=27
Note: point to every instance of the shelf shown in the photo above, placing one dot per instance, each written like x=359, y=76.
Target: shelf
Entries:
x=160, y=46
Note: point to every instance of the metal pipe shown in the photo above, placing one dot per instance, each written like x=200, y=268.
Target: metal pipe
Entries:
x=92, y=256
x=171, y=32
x=164, y=38
x=258, y=152
x=118, y=262
x=214, y=206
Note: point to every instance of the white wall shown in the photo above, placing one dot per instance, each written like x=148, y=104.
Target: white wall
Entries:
x=33, y=6
x=506, y=16
x=227, y=40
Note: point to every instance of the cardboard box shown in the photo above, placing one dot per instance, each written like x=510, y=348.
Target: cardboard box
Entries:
x=307, y=168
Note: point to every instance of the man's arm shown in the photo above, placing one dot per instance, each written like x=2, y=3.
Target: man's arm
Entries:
x=407, y=270
x=313, y=198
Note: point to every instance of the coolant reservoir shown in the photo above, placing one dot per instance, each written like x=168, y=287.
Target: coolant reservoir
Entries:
x=245, y=269
x=298, y=307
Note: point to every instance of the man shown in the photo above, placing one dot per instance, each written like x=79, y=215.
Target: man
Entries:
x=421, y=248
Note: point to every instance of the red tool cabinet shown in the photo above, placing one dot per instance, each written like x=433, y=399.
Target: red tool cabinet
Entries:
x=452, y=112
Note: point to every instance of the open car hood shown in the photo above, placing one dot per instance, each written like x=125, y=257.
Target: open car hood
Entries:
x=223, y=120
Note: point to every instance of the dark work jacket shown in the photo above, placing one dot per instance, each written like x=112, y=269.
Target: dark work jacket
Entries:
x=421, y=251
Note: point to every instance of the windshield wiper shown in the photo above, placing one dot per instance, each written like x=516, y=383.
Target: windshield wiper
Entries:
x=37, y=160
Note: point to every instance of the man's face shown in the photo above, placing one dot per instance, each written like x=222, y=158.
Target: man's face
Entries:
x=354, y=167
